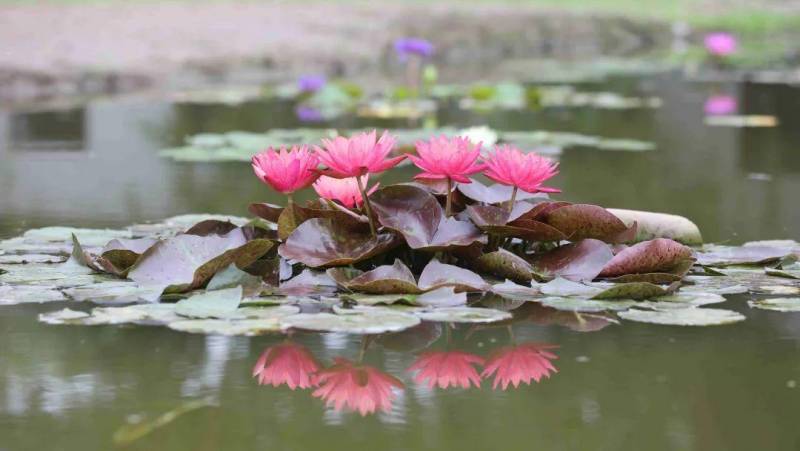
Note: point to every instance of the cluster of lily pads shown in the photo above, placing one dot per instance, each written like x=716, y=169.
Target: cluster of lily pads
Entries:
x=380, y=260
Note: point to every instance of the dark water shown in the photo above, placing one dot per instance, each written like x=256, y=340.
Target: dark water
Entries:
x=626, y=386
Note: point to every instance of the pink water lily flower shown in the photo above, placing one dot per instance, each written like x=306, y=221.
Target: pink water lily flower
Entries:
x=519, y=364
x=720, y=105
x=508, y=166
x=720, y=43
x=356, y=387
x=345, y=191
x=358, y=155
x=447, y=158
x=447, y=369
x=286, y=363
x=286, y=171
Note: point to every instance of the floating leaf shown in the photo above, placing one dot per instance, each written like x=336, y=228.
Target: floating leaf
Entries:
x=585, y=305
x=563, y=287
x=505, y=264
x=129, y=433
x=744, y=255
x=442, y=297
x=396, y=278
x=119, y=255
x=232, y=276
x=437, y=274
x=211, y=304
x=582, y=221
x=65, y=316
x=576, y=261
x=513, y=291
x=113, y=292
x=358, y=322
x=660, y=225
x=494, y=194
x=493, y=220
x=684, y=317
x=188, y=261
x=635, y=290
x=246, y=327
x=23, y=259
x=376, y=299
x=308, y=282
x=211, y=227
x=320, y=242
x=11, y=295
x=777, y=304
x=682, y=299
x=464, y=315
x=654, y=256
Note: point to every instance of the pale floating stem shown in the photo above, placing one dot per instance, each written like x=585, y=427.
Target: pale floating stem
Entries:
x=448, y=209
x=513, y=199
x=368, y=207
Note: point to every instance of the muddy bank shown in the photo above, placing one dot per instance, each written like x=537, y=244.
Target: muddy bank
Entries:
x=56, y=50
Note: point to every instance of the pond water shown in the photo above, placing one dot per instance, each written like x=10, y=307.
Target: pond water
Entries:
x=628, y=386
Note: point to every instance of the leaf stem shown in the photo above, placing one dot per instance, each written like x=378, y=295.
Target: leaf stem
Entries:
x=367, y=206
x=448, y=210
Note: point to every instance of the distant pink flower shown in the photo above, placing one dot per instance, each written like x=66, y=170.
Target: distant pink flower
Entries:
x=443, y=158
x=344, y=190
x=521, y=363
x=721, y=105
x=358, y=155
x=508, y=166
x=286, y=363
x=286, y=171
x=720, y=43
x=445, y=369
x=356, y=387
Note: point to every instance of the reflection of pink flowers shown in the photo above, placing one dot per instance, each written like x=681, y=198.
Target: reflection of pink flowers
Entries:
x=443, y=158
x=358, y=155
x=344, y=190
x=286, y=171
x=721, y=105
x=445, y=369
x=521, y=363
x=356, y=387
x=720, y=43
x=508, y=166
x=286, y=363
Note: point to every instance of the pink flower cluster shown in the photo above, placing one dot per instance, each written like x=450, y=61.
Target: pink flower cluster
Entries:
x=348, y=161
x=347, y=385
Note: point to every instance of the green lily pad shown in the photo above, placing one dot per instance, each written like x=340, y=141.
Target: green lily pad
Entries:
x=683, y=317
x=358, y=322
x=112, y=292
x=378, y=299
x=563, y=287
x=51, y=275
x=777, y=304
x=11, y=295
x=505, y=264
x=211, y=304
x=721, y=256
x=635, y=290
x=88, y=237
x=682, y=299
x=22, y=259
x=585, y=305
x=232, y=276
x=246, y=327
x=464, y=315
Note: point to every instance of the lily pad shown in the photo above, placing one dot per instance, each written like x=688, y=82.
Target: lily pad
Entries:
x=682, y=299
x=64, y=316
x=119, y=255
x=579, y=261
x=563, y=287
x=308, y=282
x=505, y=264
x=683, y=317
x=321, y=242
x=660, y=255
x=112, y=292
x=358, y=322
x=660, y=225
x=211, y=304
x=442, y=297
x=585, y=305
x=464, y=315
x=246, y=327
x=495, y=193
x=378, y=299
x=416, y=214
x=721, y=256
x=636, y=290
x=11, y=295
x=395, y=278
x=23, y=259
x=582, y=221
x=513, y=291
x=437, y=274
x=777, y=304
x=493, y=220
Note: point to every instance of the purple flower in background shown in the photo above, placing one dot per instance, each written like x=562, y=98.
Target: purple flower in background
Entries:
x=311, y=83
x=720, y=105
x=720, y=43
x=308, y=114
x=413, y=46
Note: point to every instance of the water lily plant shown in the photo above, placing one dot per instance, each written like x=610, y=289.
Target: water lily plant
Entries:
x=286, y=171
x=508, y=166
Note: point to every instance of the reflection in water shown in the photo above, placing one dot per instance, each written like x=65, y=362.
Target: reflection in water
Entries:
x=355, y=386
x=520, y=363
x=721, y=105
x=63, y=130
x=287, y=363
x=447, y=368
